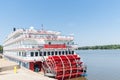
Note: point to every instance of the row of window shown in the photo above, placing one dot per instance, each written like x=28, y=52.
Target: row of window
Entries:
x=19, y=62
x=44, y=53
x=22, y=54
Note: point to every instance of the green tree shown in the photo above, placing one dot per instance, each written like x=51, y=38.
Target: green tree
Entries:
x=100, y=47
x=1, y=49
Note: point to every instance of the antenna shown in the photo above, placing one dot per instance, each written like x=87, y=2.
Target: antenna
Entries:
x=42, y=26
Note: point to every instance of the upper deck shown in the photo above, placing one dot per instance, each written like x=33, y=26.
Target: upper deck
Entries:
x=39, y=35
x=29, y=44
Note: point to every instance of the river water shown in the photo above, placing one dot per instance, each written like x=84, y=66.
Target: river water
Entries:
x=101, y=64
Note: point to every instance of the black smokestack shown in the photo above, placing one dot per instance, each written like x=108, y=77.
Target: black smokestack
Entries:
x=14, y=29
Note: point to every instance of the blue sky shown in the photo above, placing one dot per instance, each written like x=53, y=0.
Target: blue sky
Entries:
x=93, y=22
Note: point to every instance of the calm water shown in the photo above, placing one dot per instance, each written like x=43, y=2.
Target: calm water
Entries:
x=102, y=64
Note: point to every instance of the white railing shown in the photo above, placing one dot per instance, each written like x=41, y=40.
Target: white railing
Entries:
x=39, y=37
x=13, y=40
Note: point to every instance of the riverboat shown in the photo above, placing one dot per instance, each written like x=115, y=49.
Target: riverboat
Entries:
x=44, y=51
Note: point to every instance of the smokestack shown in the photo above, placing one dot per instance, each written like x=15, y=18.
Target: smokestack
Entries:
x=14, y=29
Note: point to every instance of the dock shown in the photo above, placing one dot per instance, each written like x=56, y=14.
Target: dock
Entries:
x=7, y=72
x=7, y=65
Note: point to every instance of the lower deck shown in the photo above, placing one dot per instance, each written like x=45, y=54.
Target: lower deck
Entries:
x=62, y=67
x=33, y=65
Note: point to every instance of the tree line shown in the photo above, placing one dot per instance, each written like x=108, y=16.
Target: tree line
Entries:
x=1, y=49
x=99, y=47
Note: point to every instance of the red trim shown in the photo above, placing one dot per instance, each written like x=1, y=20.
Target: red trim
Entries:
x=54, y=46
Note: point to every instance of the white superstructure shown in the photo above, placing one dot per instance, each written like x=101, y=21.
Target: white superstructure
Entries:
x=26, y=46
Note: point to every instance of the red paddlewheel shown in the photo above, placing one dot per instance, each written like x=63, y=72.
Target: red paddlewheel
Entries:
x=64, y=66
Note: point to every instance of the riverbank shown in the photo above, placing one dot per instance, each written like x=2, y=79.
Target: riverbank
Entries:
x=100, y=47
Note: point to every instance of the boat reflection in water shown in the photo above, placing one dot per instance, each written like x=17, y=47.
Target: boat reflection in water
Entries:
x=79, y=78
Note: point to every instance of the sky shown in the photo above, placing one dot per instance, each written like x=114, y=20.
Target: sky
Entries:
x=93, y=22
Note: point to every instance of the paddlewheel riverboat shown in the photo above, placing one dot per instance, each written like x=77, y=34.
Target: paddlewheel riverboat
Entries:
x=46, y=51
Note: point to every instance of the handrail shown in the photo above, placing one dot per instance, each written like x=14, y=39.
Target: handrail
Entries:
x=45, y=62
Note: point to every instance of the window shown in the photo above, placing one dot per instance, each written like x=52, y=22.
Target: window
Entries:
x=66, y=52
x=52, y=53
x=48, y=53
x=36, y=53
x=49, y=43
x=24, y=54
x=44, y=53
x=69, y=52
x=40, y=53
x=68, y=43
x=32, y=53
x=55, y=52
x=59, y=52
x=72, y=52
x=19, y=53
x=72, y=43
x=63, y=52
